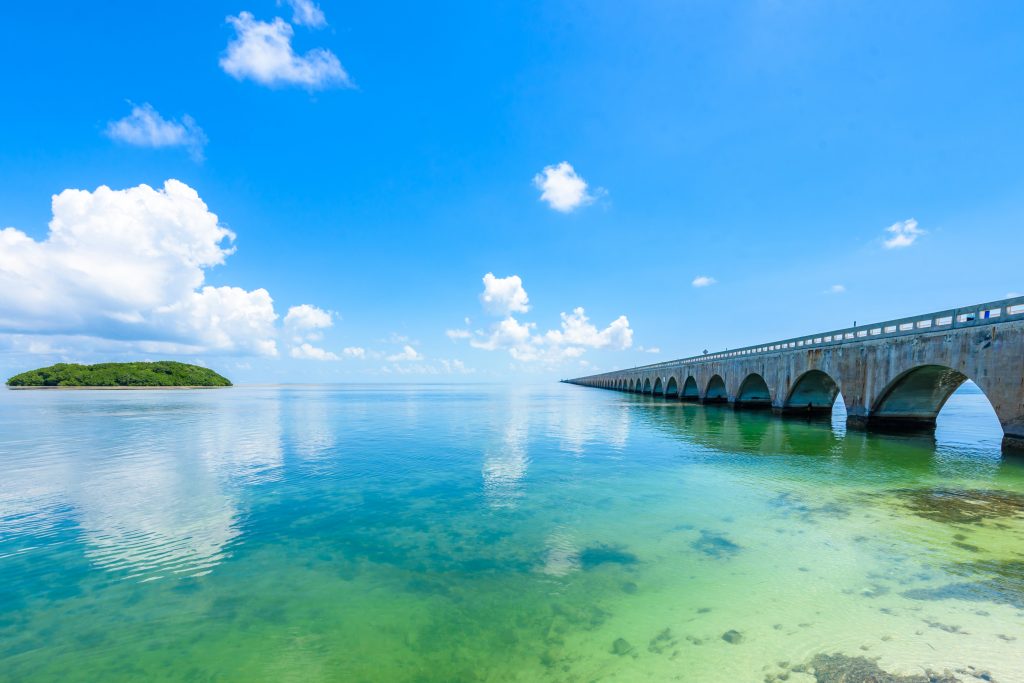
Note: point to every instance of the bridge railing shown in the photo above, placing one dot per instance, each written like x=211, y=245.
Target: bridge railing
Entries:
x=990, y=313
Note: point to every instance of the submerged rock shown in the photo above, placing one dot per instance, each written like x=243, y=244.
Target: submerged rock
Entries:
x=1004, y=587
x=840, y=668
x=961, y=506
x=732, y=636
x=595, y=556
x=715, y=545
x=621, y=647
x=662, y=642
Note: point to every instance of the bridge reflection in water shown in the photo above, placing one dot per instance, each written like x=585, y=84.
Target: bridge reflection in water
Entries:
x=891, y=376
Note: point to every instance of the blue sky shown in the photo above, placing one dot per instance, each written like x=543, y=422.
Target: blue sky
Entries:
x=376, y=174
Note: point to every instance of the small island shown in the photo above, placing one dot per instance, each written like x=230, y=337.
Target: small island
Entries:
x=160, y=374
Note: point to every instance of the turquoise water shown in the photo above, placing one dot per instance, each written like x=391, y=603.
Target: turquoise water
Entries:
x=467, y=533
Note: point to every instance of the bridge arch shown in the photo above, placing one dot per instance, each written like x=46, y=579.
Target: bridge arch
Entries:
x=647, y=385
x=715, y=391
x=690, y=390
x=754, y=393
x=659, y=388
x=672, y=388
x=813, y=393
x=914, y=398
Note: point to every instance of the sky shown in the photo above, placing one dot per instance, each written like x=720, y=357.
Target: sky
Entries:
x=504, y=191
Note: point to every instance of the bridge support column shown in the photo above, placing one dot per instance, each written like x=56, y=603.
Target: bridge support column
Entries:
x=1013, y=436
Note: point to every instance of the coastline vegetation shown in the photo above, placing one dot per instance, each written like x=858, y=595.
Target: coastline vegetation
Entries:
x=163, y=373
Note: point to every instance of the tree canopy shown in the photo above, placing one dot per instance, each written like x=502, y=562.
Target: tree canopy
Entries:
x=163, y=373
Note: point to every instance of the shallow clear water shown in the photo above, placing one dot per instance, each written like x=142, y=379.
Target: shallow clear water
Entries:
x=433, y=533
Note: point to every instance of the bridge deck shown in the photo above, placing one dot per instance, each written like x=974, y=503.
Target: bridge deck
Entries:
x=892, y=374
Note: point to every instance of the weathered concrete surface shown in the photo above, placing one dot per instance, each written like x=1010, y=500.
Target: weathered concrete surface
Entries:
x=890, y=382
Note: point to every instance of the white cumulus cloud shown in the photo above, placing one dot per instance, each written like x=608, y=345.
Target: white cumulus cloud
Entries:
x=305, y=323
x=407, y=353
x=128, y=267
x=307, y=351
x=507, y=334
x=145, y=127
x=354, y=351
x=703, y=281
x=521, y=339
x=504, y=295
x=904, y=233
x=577, y=330
x=263, y=51
x=562, y=188
x=308, y=317
x=307, y=13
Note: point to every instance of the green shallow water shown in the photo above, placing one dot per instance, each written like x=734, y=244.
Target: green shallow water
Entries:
x=465, y=533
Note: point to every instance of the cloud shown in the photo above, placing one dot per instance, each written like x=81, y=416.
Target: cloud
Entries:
x=125, y=269
x=504, y=295
x=263, y=52
x=354, y=351
x=305, y=323
x=703, y=281
x=396, y=338
x=455, y=366
x=407, y=353
x=307, y=317
x=507, y=334
x=571, y=341
x=144, y=127
x=577, y=330
x=562, y=188
x=904, y=233
x=442, y=367
x=307, y=13
x=307, y=351
x=649, y=349
x=835, y=289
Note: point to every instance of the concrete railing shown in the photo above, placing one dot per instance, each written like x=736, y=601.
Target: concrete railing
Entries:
x=990, y=313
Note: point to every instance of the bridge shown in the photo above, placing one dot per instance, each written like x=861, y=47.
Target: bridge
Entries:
x=894, y=375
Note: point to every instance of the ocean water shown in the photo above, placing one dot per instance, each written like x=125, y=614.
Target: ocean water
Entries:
x=491, y=533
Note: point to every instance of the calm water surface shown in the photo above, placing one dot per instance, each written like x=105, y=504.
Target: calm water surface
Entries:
x=554, y=533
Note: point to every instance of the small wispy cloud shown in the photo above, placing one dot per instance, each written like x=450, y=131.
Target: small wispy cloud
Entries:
x=904, y=234
x=407, y=353
x=703, y=281
x=307, y=351
x=145, y=127
x=307, y=13
x=835, y=289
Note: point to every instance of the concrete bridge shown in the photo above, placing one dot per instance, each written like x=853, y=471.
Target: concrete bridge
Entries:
x=895, y=375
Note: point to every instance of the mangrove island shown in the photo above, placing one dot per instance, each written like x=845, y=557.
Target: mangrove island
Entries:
x=137, y=375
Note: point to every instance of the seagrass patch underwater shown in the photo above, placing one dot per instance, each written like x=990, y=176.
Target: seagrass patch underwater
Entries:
x=492, y=533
